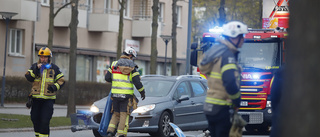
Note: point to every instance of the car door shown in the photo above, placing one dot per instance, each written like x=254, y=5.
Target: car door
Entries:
x=199, y=95
x=184, y=110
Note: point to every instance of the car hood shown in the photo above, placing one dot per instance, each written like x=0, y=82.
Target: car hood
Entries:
x=101, y=104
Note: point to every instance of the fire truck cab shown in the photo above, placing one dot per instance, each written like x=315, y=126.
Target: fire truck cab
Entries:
x=261, y=54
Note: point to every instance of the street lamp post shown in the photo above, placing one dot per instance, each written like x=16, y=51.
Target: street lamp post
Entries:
x=166, y=39
x=7, y=17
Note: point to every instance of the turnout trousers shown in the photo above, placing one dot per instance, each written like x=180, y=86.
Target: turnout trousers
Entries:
x=219, y=124
x=120, y=118
x=41, y=114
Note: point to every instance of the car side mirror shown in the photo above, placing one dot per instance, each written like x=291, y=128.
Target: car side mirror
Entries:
x=183, y=98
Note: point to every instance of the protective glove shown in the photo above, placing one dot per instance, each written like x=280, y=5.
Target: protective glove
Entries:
x=36, y=71
x=143, y=96
x=29, y=102
x=52, y=88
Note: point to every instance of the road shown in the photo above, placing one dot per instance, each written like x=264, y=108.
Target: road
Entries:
x=88, y=133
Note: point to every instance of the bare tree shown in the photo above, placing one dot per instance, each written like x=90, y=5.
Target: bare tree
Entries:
x=73, y=26
x=174, y=37
x=222, y=13
x=154, y=51
x=299, y=112
x=119, y=44
x=52, y=15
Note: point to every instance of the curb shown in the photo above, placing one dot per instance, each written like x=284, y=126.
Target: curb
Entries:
x=5, y=130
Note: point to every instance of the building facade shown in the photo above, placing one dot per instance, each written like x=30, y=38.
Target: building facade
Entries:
x=97, y=35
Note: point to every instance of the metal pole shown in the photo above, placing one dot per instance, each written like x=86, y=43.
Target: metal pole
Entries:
x=189, y=38
x=4, y=65
x=165, y=59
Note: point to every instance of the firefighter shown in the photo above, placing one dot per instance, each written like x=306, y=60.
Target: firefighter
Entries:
x=46, y=80
x=123, y=75
x=219, y=63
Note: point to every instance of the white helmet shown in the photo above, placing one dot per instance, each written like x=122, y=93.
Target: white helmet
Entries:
x=130, y=51
x=234, y=28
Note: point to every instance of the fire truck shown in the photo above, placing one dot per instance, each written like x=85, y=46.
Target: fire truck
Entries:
x=261, y=54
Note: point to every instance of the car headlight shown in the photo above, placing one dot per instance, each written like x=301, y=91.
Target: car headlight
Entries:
x=268, y=104
x=94, y=108
x=144, y=109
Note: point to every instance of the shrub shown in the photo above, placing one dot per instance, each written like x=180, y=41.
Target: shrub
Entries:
x=17, y=90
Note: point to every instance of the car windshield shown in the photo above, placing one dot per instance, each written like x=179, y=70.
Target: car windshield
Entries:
x=155, y=88
x=259, y=55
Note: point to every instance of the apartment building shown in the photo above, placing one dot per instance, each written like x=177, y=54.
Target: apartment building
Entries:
x=97, y=35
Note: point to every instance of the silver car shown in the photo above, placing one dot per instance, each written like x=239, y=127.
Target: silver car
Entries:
x=176, y=99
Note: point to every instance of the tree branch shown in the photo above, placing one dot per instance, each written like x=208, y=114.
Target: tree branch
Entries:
x=65, y=5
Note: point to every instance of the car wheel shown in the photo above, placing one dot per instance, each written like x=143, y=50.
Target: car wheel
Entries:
x=164, y=129
x=96, y=133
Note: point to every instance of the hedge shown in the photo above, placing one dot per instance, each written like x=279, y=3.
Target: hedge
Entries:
x=17, y=90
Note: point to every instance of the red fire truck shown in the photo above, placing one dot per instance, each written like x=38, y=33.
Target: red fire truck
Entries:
x=261, y=54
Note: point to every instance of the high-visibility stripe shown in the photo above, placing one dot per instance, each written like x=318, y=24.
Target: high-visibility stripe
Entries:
x=109, y=69
x=217, y=101
x=237, y=95
x=141, y=89
x=44, y=74
x=215, y=75
x=43, y=135
x=36, y=133
x=58, y=76
x=44, y=97
x=31, y=73
x=271, y=82
x=126, y=88
x=228, y=67
x=135, y=74
x=112, y=125
x=57, y=85
x=120, y=80
x=49, y=80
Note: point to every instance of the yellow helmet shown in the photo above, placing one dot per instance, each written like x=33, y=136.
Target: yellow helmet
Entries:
x=44, y=51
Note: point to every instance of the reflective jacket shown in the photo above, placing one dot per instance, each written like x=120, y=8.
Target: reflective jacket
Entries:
x=223, y=74
x=41, y=81
x=123, y=75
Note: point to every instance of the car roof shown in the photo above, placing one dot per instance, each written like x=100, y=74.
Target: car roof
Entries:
x=172, y=78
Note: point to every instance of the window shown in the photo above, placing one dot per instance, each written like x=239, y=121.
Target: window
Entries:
x=143, y=8
x=107, y=6
x=182, y=89
x=15, y=42
x=161, y=12
x=45, y=2
x=179, y=8
x=89, y=4
x=84, y=68
x=127, y=9
x=197, y=89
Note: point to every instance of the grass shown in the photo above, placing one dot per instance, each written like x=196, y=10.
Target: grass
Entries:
x=24, y=121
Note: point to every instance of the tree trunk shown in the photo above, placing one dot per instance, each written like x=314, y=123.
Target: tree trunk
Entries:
x=119, y=43
x=51, y=21
x=174, y=38
x=154, y=51
x=73, y=57
x=222, y=13
x=300, y=101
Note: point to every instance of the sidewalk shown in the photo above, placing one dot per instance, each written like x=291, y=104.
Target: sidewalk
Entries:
x=21, y=109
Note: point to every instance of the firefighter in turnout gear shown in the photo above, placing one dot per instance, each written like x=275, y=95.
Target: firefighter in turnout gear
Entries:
x=220, y=65
x=46, y=80
x=124, y=77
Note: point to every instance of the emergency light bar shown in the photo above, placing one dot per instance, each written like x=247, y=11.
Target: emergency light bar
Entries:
x=216, y=30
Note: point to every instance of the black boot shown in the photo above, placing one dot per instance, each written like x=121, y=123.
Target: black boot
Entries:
x=121, y=136
x=109, y=134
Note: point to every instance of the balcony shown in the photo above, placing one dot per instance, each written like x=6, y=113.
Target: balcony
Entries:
x=27, y=10
x=106, y=21
x=63, y=18
x=141, y=27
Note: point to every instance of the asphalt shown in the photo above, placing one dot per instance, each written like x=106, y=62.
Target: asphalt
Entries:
x=21, y=109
